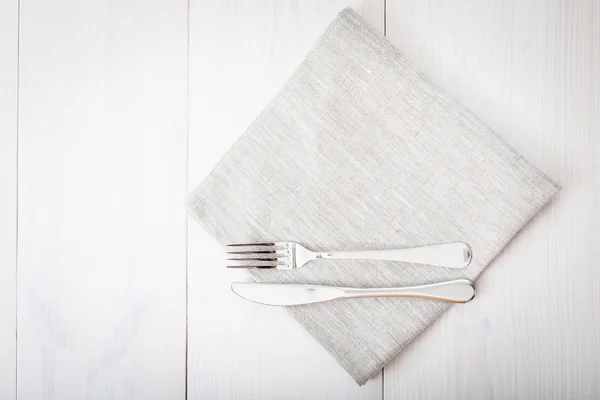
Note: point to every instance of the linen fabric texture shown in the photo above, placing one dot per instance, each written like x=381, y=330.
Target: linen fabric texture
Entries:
x=362, y=151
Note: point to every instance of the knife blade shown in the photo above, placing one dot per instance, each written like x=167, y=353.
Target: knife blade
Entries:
x=457, y=291
x=286, y=294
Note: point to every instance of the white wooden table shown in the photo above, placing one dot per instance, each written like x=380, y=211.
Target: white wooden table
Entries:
x=111, y=111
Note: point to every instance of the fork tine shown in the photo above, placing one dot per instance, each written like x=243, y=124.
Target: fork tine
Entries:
x=272, y=248
x=253, y=248
x=258, y=257
x=250, y=253
x=253, y=260
x=262, y=256
x=250, y=244
x=254, y=252
x=255, y=263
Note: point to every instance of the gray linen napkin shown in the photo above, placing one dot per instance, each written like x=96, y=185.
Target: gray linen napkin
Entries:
x=361, y=151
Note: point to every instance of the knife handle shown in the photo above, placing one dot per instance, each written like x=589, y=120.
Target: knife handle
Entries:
x=458, y=291
x=449, y=255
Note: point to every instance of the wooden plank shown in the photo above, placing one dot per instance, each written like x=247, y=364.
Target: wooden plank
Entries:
x=102, y=182
x=9, y=50
x=530, y=70
x=240, y=55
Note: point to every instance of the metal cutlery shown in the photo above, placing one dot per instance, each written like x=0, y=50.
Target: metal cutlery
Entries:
x=458, y=291
x=290, y=255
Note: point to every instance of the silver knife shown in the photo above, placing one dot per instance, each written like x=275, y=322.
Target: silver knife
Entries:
x=458, y=291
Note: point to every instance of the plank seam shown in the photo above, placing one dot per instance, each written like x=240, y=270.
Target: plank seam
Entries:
x=384, y=17
x=385, y=35
x=17, y=200
x=187, y=183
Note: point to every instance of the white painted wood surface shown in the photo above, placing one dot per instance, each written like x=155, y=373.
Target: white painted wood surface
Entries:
x=531, y=70
x=241, y=53
x=9, y=41
x=102, y=167
x=112, y=136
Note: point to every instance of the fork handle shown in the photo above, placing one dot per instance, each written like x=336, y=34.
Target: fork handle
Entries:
x=458, y=291
x=449, y=255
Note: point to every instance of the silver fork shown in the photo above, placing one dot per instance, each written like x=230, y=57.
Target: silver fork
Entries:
x=290, y=255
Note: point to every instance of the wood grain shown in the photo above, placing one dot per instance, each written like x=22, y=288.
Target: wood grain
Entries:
x=102, y=177
x=9, y=50
x=240, y=55
x=102, y=166
x=530, y=70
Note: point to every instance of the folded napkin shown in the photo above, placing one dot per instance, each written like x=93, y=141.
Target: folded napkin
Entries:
x=361, y=151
